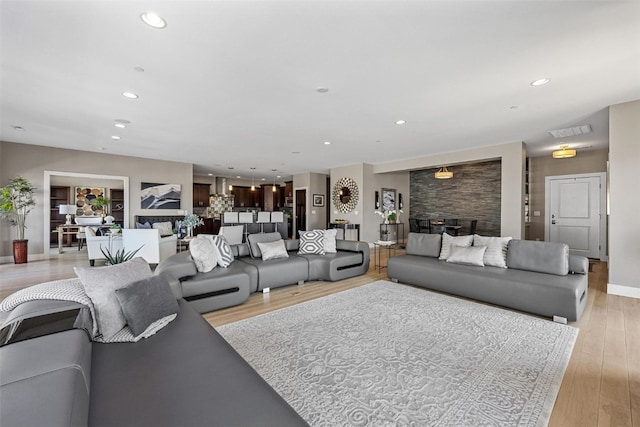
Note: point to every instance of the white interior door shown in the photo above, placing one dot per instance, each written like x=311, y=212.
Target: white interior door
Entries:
x=574, y=213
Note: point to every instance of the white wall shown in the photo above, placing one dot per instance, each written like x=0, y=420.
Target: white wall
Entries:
x=30, y=161
x=513, y=157
x=624, y=199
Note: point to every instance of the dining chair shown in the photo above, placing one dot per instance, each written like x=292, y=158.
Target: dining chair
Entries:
x=414, y=225
x=473, y=226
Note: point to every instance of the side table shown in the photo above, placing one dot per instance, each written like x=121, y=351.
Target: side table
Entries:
x=379, y=246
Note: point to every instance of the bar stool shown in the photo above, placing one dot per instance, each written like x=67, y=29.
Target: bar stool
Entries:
x=230, y=218
x=245, y=218
x=263, y=218
x=277, y=218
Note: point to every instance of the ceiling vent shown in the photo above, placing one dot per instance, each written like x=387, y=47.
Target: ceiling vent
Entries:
x=578, y=130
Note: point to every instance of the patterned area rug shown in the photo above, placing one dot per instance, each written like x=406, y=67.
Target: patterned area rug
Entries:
x=386, y=354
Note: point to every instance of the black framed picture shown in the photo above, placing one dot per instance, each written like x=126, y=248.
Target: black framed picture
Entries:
x=318, y=200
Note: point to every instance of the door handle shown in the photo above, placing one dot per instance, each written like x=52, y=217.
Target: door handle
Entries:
x=553, y=222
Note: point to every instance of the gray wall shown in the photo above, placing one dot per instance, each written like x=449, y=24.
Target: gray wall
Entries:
x=473, y=193
x=31, y=161
x=587, y=161
x=624, y=199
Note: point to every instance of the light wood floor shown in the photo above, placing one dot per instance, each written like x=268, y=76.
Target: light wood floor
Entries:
x=600, y=388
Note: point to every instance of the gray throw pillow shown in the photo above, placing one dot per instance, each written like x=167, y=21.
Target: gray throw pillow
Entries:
x=422, y=244
x=273, y=250
x=146, y=301
x=144, y=226
x=253, y=239
x=100, y=284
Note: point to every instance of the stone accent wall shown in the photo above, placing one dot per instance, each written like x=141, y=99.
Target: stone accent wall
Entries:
x=472, y=193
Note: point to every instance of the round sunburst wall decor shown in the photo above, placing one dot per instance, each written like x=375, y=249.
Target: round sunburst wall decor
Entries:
x=345, y=195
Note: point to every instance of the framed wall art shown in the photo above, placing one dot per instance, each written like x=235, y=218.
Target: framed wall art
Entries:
x=160, y=196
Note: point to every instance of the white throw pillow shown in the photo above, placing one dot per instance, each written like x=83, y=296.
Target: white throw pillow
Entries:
x=470, y=255
x=496, y=254
x=448, y=241
x=330, y=241
x=273, y=250
x=204, y=253
x=100, y=284
x=222, y=249
x=165, y=228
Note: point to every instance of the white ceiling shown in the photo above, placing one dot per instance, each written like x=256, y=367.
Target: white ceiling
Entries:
x=233, y=83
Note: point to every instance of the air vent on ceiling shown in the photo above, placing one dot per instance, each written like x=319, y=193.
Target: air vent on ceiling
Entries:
x=577, y=130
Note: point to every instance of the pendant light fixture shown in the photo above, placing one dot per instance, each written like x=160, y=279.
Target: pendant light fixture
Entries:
x=230, y=185
x=564, y=152
x=274, y=189
x=443, y=173
x=253, y=186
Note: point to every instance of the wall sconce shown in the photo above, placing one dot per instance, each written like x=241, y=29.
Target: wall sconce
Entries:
x=400, y=204
x=377, y=200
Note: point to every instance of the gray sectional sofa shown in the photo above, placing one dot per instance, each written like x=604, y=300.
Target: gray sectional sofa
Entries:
x=541, y=278
x=185, y=375
x=224, y=287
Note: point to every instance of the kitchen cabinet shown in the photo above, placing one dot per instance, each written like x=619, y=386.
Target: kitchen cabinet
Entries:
x=200, y=195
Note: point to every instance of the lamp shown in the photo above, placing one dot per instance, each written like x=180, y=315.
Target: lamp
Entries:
x=443, y=173
x=67, y=210
x=564, y=152
x=230, y=184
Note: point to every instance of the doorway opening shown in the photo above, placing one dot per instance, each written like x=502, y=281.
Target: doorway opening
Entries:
x=301, y=210
x=73, y=179
x=575, y=213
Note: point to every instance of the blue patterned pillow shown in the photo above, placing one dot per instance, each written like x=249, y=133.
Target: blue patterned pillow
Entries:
x=311, y=243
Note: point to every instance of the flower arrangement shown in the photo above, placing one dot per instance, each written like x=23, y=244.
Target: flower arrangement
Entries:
x=190, y=221
x=390, y=216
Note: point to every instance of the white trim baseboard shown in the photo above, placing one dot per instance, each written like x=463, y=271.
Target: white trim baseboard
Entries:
x=30, y=257
x=623, y=291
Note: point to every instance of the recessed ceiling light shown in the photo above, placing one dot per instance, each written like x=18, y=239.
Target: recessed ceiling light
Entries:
x=295, y=152
x=115, y=137
x=279, y=176
x=18, y=128
x=130, y=95
x=139, y=69
x=322, y=89
x=210, y=174
x=263, y=179
x=153, y=19
x=120, y=125
x=401, y=122
x=327, y=143
x=513, y=107
x=238, y=176
x=540, y=82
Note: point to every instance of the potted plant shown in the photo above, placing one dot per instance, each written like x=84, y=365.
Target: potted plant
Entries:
x=384, y=235
x=102, y=204
x=115, y=229
x=16, y=201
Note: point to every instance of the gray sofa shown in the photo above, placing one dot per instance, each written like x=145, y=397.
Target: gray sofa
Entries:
x=225, y=287
x=541, y=278
x=185, y=375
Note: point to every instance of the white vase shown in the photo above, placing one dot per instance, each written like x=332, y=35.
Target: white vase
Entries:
x=386, y=221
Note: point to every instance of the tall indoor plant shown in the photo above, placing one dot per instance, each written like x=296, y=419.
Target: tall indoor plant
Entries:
x=16, y=201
